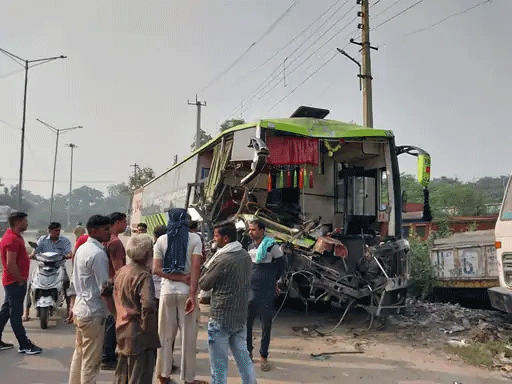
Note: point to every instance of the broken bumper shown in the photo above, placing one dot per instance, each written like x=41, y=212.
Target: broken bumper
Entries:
x=501, y=298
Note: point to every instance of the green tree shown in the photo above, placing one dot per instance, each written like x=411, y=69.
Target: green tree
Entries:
x=491, y=188
x=230, y=124
x=203, y=139
x=141, y=177
x=412, y=188
x=118, y=190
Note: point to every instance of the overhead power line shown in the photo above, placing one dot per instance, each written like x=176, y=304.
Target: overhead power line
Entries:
x=303, y=82
x=272, y=80
x=446, y=18
x=296, y=36
x=279, y=69
x=10, y=125
x=398, y=14
x=11, y=73
x=239, y=58
x=385, y=9
x=279, y=66
x=306, y=59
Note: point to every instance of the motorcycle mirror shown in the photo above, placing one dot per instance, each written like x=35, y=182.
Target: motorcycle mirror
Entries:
x=32, y=244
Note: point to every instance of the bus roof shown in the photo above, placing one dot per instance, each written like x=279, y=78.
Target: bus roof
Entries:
x=307, y=126
x=303, y=126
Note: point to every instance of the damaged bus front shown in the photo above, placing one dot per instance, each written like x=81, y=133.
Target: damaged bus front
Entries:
x=328, y=191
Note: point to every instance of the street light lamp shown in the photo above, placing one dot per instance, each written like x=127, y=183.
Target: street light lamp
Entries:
x=26, y=65
x=72, y=147
x=57, y=132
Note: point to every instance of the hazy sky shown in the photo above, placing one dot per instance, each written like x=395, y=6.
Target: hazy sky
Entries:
x=132, y=65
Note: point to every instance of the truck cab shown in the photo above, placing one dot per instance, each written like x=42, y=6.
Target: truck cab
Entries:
x=501, y=297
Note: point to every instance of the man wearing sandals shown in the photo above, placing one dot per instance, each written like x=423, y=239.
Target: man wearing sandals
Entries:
x=268, y=266
x=177, y=259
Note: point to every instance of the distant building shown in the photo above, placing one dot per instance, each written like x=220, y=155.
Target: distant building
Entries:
x=412, y=222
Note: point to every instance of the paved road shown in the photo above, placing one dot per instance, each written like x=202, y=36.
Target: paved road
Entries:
x=290, y=354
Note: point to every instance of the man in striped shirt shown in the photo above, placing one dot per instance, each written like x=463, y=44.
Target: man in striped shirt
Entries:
x=227, y=274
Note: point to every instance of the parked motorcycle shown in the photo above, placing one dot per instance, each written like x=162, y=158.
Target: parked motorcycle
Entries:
x=46, y=286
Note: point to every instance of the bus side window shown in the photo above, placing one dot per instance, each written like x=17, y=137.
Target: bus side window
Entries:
x=383, y=190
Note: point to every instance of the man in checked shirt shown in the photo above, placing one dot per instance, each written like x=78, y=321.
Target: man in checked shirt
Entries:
x=227, y=274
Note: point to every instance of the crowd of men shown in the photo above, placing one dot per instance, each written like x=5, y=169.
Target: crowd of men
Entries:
x=127, y=315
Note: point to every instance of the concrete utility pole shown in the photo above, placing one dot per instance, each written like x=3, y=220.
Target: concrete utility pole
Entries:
x=57, y=132
x=27, y=64
x=367, y=67
x=198, y=104
x=72, y=146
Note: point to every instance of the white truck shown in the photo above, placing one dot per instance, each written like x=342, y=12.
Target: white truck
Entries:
x=5, y=211
x=501, y=297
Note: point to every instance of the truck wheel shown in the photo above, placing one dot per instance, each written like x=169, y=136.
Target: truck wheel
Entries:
x=43, y=317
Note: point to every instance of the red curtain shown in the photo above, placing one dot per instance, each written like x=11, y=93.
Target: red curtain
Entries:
x=292, y=150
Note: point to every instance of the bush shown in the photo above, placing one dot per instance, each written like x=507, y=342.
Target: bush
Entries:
x=421, y=276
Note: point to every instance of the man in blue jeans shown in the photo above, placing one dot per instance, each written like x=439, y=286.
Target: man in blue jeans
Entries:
x=16, y=265
x=227, y=274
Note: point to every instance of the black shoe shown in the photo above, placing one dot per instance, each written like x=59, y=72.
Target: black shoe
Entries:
x=5, y=345
x=109, y=365
x=30, y=349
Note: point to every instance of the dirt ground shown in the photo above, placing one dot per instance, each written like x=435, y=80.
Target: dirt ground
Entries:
x=383, y=354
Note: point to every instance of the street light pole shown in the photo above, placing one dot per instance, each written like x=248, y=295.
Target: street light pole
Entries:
x=22, y=149
x=26, y=65
x=57, y=132
x=72, y=146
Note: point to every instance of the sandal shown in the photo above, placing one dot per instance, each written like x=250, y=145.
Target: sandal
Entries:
x=265, y=366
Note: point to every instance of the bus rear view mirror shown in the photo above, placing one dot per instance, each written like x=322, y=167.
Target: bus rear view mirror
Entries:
x=424, y=169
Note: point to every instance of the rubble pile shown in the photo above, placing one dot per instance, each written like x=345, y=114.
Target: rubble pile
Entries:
x=470, y=331
x=453, y=320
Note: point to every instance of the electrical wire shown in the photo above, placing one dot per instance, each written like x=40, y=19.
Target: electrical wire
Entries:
x=446, y=18
x=307, y=58
x=398, y=14
x=296, y=36
x=10, y=125
x=302, y=83
x=385, y=9
x=241, y=104
x=239, y=58
x=14, y=58
x=340, y=321
x=11, y=73
x=271, y=78
x=299, y=65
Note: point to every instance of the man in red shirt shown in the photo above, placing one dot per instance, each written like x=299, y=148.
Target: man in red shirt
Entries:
x=116, y=260
x=16, y=265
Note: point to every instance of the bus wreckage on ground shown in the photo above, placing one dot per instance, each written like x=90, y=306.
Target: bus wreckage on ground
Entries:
x=328, y=191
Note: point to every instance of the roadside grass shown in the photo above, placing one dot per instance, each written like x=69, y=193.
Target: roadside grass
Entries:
x=480, y=354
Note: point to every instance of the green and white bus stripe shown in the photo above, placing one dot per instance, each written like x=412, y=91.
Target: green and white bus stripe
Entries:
x=154, y=221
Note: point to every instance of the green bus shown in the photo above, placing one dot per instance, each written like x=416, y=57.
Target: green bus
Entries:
x=328, y=191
